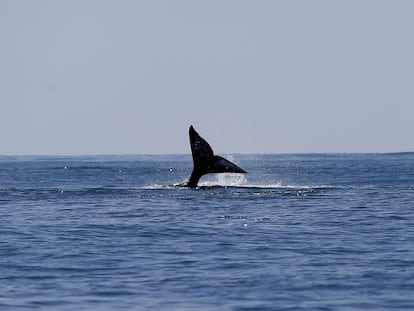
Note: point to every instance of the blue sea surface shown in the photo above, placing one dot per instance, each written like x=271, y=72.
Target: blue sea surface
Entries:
x=298, y=232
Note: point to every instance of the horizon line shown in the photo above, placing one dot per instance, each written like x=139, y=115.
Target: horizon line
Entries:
x=189, y=154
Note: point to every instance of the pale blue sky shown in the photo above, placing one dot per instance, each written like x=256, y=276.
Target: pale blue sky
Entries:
x=115, y=77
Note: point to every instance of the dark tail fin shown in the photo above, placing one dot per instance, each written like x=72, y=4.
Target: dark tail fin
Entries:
x=222, y=165
x=205, y=162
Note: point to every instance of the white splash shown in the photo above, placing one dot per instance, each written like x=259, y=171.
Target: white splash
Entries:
x=225, y=180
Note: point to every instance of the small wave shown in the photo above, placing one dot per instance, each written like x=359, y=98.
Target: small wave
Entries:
x=163, y=187
x=277, y=186
x=240, y=181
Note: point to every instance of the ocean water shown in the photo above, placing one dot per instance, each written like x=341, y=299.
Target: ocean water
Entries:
x=298, y=232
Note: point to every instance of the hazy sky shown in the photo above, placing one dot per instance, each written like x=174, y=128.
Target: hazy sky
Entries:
x=115, y=77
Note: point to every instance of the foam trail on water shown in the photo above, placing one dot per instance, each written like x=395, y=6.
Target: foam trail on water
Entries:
x=240, y=181
x=235, y=181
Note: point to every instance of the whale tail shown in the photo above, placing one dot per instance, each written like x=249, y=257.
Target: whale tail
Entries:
x=205, y=162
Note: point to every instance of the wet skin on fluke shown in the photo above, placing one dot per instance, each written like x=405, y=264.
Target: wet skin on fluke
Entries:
x=205, y=162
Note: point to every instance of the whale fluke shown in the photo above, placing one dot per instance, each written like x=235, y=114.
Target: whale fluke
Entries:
x=205, y=162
